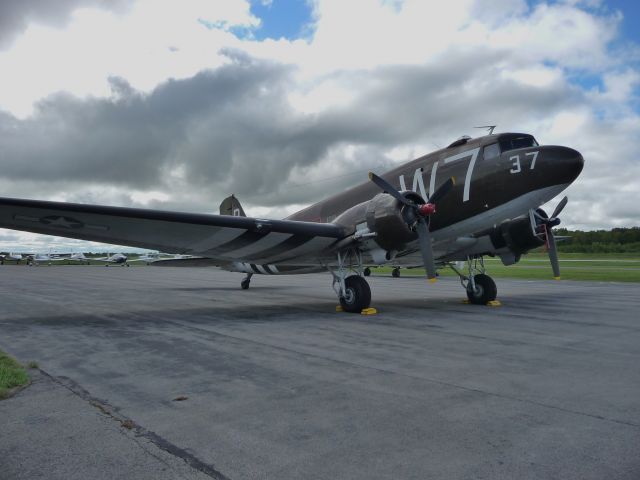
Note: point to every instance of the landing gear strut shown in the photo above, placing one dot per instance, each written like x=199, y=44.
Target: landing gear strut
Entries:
x=352, y=289
x=246, y=281
x=480, y=287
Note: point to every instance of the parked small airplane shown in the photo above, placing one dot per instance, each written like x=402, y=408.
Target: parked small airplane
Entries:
x=79, y=257
x=116, y=259
x=38, y=258
x=154, y=257
x=11, y=256
x=475, y=197
x=148, y=258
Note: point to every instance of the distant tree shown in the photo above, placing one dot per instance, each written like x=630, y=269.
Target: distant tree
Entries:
x=616, y=240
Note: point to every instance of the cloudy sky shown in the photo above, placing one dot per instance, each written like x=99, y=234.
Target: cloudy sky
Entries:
x=176, y=104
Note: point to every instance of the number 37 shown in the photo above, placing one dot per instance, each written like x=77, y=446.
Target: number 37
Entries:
x=515, y=161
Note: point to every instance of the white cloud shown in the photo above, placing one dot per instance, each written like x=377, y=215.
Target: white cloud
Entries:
x=153, y=42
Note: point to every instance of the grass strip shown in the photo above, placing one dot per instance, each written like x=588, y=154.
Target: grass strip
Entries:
x=12, y=375
x=582, y=267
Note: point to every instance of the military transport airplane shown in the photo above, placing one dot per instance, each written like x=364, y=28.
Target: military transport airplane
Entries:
x=475, y=197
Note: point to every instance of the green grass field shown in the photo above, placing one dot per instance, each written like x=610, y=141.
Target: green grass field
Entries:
x=573, y=266
x=12, y=374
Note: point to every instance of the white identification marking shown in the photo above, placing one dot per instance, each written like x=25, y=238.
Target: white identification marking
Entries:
x=432, y=180
x=418, y=183
x=467, y=180
x=533, y=161
x=515, y=160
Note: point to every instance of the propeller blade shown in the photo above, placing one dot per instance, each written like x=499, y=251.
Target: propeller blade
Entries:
x=560, y=207
x=553, y=254
x=442, y=190
x=424, y=238
x=390, y=189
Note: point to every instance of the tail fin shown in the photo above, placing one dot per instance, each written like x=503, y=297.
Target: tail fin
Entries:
x=231, y=206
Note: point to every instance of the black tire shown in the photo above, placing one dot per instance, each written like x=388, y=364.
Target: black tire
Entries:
x=366, y=272
x=358, y=294
x=244, y=284
x=395, y=273
x=486, y=290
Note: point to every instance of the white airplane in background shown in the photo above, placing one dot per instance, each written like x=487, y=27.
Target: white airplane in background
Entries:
x=153, y=257
x=116, y=259
x=79, y=257
x=38, y=258
x=11, y=256
x=148, y=258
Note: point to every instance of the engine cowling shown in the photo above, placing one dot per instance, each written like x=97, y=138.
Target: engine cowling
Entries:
x=391, y=221
x=520, y=234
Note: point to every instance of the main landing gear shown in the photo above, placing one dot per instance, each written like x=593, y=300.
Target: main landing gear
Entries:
x=480, y=287
x=349, y=284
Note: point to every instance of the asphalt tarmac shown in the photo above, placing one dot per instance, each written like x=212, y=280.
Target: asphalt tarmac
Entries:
x=279, y=385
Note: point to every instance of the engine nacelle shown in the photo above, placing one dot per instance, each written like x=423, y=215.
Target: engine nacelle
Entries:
x=390, y=220
x=520, y=234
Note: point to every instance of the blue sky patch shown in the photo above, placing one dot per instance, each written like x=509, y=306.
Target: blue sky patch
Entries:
x=290, y=19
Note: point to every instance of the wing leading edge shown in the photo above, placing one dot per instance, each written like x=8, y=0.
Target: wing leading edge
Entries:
x=226, y=238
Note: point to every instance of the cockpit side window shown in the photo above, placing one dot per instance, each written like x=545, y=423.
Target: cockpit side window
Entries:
x=515, y=142
x=491, y=151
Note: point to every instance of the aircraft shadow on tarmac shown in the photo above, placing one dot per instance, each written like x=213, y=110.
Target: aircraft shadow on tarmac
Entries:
x=546, y=305
x=227, y=288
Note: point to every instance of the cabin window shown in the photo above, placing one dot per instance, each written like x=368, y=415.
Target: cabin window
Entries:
x=517, y=141
x=491, y=151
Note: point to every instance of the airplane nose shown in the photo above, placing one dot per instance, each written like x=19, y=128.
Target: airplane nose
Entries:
x=566, y=162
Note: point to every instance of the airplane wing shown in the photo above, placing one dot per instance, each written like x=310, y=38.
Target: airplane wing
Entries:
x=221, y=237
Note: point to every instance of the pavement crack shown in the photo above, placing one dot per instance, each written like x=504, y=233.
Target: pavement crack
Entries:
x=105, y=408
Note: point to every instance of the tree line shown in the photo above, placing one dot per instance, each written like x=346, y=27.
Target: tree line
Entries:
x=616, y=240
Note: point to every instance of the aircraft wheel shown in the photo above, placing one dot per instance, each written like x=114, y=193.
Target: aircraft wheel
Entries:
x=395, y=273
x=366, y=271
x=245, y=284
x=357, y=296
x=485, y=290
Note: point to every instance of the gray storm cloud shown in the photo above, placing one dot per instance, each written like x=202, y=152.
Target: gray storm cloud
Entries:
x=233, y=129
x=15, y=16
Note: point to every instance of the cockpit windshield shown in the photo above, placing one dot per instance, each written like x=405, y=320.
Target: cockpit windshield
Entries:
x=513, y=142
